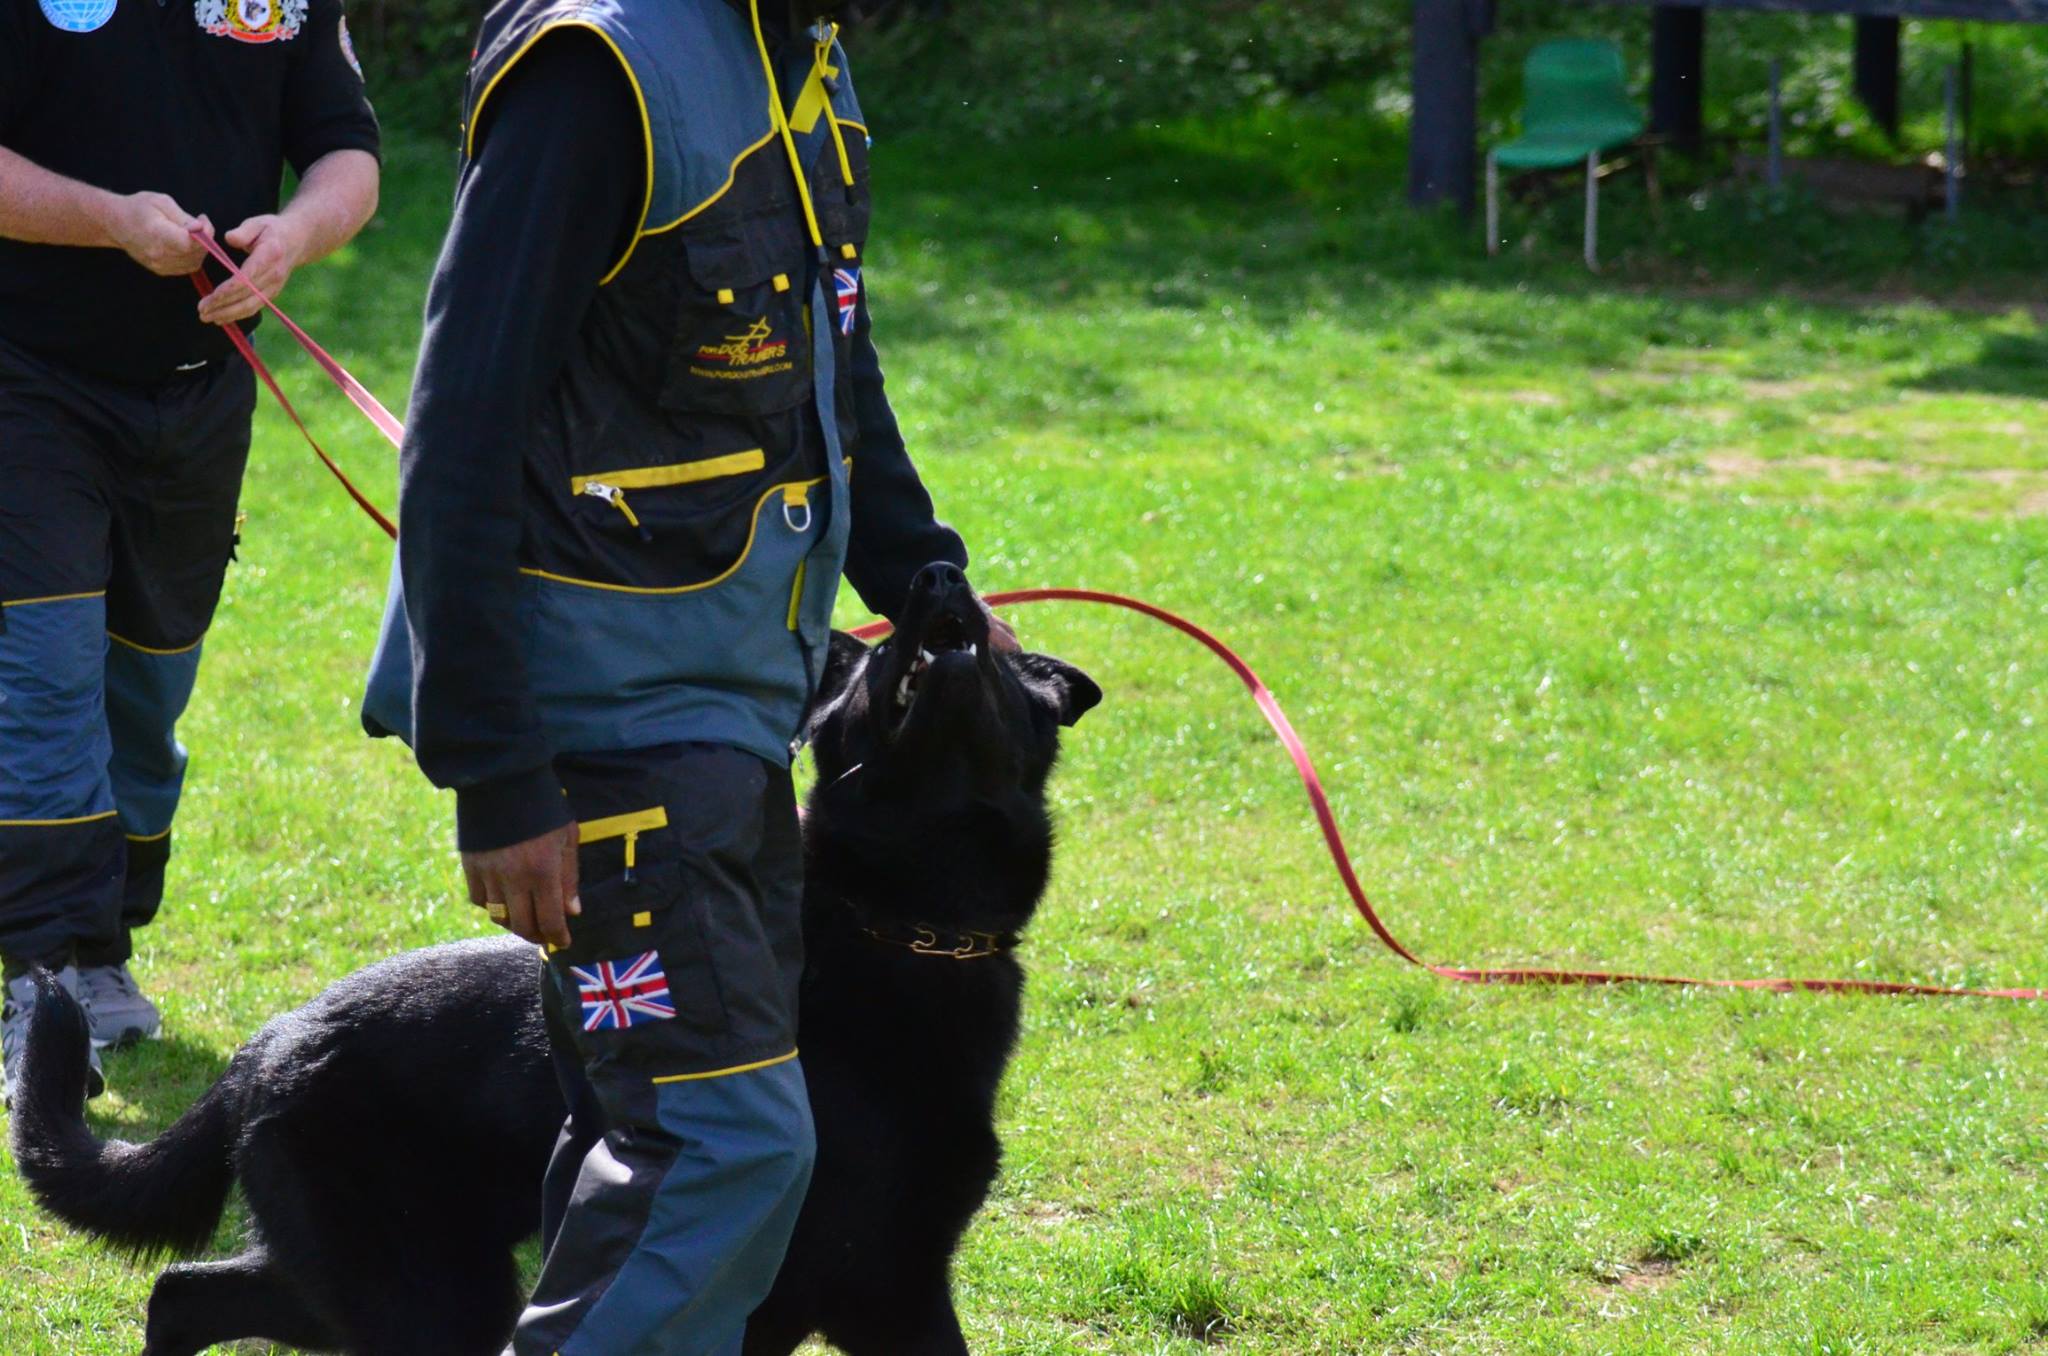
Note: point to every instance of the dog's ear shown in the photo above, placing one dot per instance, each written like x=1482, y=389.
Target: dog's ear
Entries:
x=1065, y=688
x=842, y=661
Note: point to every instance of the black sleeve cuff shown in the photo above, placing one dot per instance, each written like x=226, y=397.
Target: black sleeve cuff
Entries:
x=509, y=810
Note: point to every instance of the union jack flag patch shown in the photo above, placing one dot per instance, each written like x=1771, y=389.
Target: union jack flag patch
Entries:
x=616, y=994
x=846, y=281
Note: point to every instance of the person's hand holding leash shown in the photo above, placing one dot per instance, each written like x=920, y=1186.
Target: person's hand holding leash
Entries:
x=274, y=250
x=154, y=231
x=528, y=888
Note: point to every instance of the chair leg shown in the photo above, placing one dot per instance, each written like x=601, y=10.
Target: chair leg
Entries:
x=1593, y=211
x=1492, y=204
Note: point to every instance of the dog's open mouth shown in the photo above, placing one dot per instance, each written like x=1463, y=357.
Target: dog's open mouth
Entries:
x=946, y=635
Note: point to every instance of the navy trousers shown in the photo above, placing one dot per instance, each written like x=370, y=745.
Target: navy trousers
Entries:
x=117, y=522
x=679, y=1176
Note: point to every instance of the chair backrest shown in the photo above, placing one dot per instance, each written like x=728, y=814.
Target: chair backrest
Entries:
x=1578, y=86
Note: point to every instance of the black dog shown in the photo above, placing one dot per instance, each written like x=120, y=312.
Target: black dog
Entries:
x=390, y=1136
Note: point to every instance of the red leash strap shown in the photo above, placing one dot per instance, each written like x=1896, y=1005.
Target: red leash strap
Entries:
x=350, y=387
x=1326, y=819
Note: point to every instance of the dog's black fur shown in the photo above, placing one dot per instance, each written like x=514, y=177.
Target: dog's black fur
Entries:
x=390, y=1136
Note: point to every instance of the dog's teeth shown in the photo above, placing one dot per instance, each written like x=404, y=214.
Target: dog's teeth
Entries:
x=925, y=655
x=903, y=693
x=972, y=649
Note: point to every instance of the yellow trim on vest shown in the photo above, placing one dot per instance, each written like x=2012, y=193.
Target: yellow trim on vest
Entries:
x=781, y=123
x=147, y=837
x=639, y=97
x=831, y=117
x=54, y=598
x=682, y=473
x=56, y=823
x=150, y=649
x=727, y=1073
x=723, y=189
x=753, y=530
x=796, y=591
x=849, y=122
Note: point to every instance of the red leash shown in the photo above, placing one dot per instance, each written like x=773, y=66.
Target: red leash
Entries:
x=372, y=409
x=1326, y=819
x=1268, y=705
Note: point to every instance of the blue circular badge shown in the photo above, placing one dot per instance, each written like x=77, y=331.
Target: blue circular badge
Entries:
x=78, y=16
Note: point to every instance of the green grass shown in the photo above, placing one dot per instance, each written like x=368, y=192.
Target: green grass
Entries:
x=1641, y=621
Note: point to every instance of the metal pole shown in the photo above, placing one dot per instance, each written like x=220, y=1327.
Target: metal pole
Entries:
x=1593, y=210
x=1775, y=172
x=1492, y=204
x=1952, y=170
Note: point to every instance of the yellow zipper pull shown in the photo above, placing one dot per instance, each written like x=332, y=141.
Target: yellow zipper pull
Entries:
x=616, y=497
x=632, y=843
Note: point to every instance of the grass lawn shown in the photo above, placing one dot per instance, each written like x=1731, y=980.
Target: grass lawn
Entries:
x=1694, y=617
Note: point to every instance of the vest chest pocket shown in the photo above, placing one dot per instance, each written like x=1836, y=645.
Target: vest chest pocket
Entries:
x=742, y=344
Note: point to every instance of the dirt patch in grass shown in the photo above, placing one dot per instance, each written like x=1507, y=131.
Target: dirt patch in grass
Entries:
x=1726, y=468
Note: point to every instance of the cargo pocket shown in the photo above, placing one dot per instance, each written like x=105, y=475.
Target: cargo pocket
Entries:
x=742, y=344
x=637, y=974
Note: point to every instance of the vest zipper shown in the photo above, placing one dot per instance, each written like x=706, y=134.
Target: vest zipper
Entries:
x=616, y=497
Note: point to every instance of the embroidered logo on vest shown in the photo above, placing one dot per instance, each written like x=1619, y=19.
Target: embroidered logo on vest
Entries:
x=745, y=356
x=251, y=20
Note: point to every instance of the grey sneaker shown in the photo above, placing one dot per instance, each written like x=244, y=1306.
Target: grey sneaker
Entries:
x=120, y=1014
x=14, y=1010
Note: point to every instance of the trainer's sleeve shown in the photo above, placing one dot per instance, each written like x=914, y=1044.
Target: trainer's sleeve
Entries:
x=895, y=531
x=516, y=275
x=325, y=106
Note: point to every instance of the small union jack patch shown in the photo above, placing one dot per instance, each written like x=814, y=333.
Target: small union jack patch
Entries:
x=616, y=994
x=846, y=281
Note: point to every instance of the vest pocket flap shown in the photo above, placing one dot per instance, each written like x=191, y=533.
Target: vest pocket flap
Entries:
x=729, y=265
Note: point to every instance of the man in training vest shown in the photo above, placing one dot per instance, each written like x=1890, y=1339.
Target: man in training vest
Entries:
x=124, y=424
x=647, y=431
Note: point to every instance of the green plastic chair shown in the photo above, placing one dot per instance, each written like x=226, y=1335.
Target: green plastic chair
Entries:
x=1575, y=105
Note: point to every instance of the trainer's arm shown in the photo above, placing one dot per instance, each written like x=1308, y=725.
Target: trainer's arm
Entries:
x=331, y=137
x=517, y=272
x=43, y=207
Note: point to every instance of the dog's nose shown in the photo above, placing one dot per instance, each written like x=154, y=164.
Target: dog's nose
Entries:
x=938, y=577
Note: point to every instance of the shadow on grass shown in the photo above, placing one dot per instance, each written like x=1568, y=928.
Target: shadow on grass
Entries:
x=2006, y=365
x=1278, y=213
x=152, y=1085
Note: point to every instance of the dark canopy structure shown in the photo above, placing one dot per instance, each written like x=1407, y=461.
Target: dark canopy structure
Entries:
x=1443, y=151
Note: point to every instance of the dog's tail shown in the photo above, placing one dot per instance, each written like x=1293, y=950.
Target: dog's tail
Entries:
x=165, y=1195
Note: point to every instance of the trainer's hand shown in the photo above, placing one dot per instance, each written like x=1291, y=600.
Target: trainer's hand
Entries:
x=530, y=887
x=274, y=250
x=155, y=232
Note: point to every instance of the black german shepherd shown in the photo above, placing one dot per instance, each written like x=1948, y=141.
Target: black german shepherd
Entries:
x=390, y=1136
